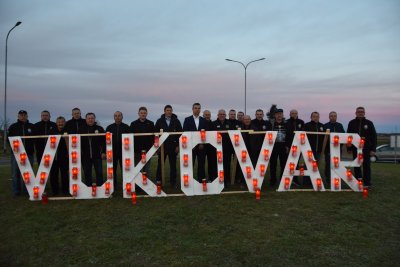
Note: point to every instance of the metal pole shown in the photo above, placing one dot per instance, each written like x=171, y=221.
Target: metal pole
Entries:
x=245, y=79
x=5, y=91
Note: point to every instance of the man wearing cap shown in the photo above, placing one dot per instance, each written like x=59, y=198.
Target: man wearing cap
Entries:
x=366, y=129
x=43, y=127
x=21, y=128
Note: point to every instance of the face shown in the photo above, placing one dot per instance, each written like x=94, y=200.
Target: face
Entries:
x=246, y=120
x=240, y=116
x=332, y=117
x=207, y=115
x=293, y=114
x=23, y=117
x=196, y=110
x=168, y=112
x=360, y=113
x=259, y=115
x=76, y=114
x=232, y=115
x=279, y=116
x=45, y=116
x=221, y=115
x=90, y=120
x=60, y=124
x=315, y=117
x=142, y=114
x=117, y=117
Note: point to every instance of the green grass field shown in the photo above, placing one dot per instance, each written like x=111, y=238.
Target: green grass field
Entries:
x=294, y=228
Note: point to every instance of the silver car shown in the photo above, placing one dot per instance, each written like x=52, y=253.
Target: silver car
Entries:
x=387, y=153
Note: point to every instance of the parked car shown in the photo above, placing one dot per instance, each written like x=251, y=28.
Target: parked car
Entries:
x=387, y=153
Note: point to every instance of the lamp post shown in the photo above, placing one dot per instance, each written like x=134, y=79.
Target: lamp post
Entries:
x=5, y=92
x=245, y=77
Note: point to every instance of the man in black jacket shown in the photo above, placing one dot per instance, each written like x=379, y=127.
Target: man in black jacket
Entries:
x=258, y=124
x=222, y=124
x=169, y=123
x=280, y=149
x=334, y=127
x=142, y=143
x=75, y=123
x=60, y=163
x=210, y=151
x=117, y=129
x=93, y=149
x=366, y=129
x=316, y=140
x=21, y=128
x=197, y=123
x=43, y=127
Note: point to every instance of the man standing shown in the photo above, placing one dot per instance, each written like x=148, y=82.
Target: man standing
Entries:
x=117, y=129
x=221, y=124
x=258, y=124
x=75, y=123
x=21, y=128
x=293, y=124
x=280, y=149
x=197, y=123
x=93, y=149
x=60, y=163
x=235, y=124
x=334, y=127
x=239, y=179
x=366, y=129
x=143, y=143
x=239, y=117
x=43, y=127
x=169, y=123
x=211, y=152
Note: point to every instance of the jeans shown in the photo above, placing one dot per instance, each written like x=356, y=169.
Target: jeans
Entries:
x=16, y=176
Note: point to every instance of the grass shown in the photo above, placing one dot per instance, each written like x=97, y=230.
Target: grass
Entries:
x=295, y=228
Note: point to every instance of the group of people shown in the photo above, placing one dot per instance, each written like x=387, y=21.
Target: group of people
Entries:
x=93, y=148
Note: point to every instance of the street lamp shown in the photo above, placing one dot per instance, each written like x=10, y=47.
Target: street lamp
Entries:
x=5, y=91
x=245, y=77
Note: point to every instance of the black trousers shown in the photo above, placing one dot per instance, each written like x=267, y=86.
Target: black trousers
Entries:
x=117, y=160
x=87, y=169
x=279, y=151
x=170, y=153
x=366, y=167
x=200, y=154
x=211, y=153
x=60, y=166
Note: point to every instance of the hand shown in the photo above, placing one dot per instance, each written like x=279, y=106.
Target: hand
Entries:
x=177, y=150
x=372, y=153
x=103, y=156
x=201, y=146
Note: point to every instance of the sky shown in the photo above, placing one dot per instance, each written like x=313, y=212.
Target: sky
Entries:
x=103, y=56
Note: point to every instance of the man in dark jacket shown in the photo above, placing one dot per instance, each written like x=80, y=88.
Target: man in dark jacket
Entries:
x=258, y=124
x=280, y=149
x=366, y=129
x=21, y=128
x=210, y=151
x=334, y=127
x=222, y=124
x=43, y=127
x=117, y=129
x=316, y=140
x=60, y=163
x=169, y=123
x=197, y=123
x=73, y=125
x=142, y=143
x=293, y=124
x=93, y=149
